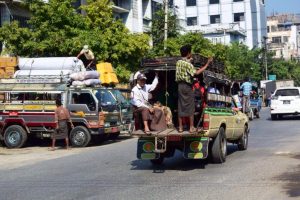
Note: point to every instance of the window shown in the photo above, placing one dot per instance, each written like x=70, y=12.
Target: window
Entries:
x=276, y=40
x=273, y=28
x=287, y=92
x=215, y=19
x=191, y=21
x=191, y=2
x=268, y=29
x=285, y=38
x=84, y=98
x=214, y=1
x=237, y=0
x=238, y=17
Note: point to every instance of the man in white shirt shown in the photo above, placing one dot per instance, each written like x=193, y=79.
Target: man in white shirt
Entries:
x=89, y=56
x=140, y=96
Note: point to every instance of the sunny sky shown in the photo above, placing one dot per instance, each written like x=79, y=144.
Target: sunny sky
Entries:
x=282, y=6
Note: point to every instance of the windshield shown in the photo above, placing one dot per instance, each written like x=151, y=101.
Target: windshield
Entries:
x=287, y=92
x=119, y=96
x=105, y=97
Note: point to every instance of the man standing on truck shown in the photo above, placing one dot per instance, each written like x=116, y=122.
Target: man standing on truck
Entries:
x=88, y=59
x=139, y=99
x=62, y=117
x=185, y=72
x=246, y=88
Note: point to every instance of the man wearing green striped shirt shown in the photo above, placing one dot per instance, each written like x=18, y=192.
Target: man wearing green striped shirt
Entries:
x=185, y=72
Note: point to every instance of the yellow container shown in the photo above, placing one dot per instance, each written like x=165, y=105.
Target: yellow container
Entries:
x=8, y=61
x=10, y=71
x=104, y=67
x=2, y=73
x=109, y=78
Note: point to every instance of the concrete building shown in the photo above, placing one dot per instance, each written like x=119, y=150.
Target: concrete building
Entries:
x=136, y=14
x=13, y=10
x=224, y=21
x=284, y=35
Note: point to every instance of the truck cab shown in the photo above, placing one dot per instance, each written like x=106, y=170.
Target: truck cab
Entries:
x=28, y=110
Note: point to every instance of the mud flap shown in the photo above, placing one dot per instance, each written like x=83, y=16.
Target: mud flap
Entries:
x=195, y=147
x=146, y=149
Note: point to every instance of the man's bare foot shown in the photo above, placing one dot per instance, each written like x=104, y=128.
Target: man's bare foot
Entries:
x=180, y=129
x=193, y=130
x=68, y=148
x=51, y=148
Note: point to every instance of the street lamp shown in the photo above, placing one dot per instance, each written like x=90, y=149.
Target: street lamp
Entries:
x=166, y=3
x=265, y=56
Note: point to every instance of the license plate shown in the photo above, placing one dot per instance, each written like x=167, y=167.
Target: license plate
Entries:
x=114, y=129
x=286, y=102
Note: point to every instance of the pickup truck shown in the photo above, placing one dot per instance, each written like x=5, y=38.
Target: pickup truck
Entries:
x=217, y=122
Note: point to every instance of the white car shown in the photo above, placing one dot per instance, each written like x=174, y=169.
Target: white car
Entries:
x=285, y=101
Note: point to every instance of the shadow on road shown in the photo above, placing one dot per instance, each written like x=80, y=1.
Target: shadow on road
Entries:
x=292, y=180
x=286, y=117
x=177, y=162
x=46, y=142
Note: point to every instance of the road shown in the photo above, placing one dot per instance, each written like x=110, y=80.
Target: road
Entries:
x=269, y=169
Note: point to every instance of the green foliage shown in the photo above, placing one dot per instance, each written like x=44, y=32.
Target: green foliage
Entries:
x=57, y=29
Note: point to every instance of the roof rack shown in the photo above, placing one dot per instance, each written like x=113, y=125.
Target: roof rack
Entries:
x=198, y=60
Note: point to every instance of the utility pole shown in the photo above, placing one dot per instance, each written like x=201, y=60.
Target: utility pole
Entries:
x=166, y=4
x=266, y=56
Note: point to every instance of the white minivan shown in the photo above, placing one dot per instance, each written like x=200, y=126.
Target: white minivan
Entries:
x=285, y=101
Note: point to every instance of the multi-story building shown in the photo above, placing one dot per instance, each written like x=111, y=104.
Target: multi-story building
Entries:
x=136, y=14
x=224, y=21
x=284, y=35
x=13, y=10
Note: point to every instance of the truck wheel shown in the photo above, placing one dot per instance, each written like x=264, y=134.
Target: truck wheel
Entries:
x=257, y=114
x=243, y=141
x=15, y=136
x=158, y=161
x=219, y=147
x=251, y=115
x=80, y=136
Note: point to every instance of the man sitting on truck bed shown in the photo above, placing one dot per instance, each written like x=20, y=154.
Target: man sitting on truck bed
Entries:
x=139, y=99
x=184, y=77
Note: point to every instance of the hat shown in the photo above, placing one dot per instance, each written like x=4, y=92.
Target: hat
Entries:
x=85, y=47
x=141, y=76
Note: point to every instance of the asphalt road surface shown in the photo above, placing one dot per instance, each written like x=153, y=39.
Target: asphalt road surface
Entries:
x=269, y=169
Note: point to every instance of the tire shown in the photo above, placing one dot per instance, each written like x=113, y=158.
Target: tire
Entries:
x=114, y=136
x=219, y=147
x=158, y=161
x=251, y=115
x=15, y=136
x=273, y=116
x=257, y=114
x=243, y=141
x=80, y=136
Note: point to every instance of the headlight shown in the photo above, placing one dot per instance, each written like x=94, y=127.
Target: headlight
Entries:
x=118, y=123
x=106, y=124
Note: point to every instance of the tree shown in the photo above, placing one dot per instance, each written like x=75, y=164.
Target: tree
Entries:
x=56, y=29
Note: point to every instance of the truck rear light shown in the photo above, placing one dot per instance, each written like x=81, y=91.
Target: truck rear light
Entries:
x=206, y=122
x=13, y=114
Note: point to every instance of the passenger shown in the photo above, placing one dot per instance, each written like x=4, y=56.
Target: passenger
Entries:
x=184, y=77
x=246, y=88
x=139, y=99
x=167, y=112
x=88, y=59
x=62, y=117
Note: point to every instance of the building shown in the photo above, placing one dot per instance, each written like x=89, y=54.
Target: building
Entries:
x=13, y=10
x=284, y=35
x=224, y=21
x=135, y=14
